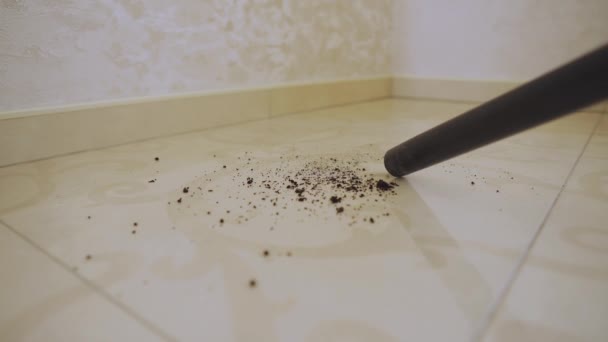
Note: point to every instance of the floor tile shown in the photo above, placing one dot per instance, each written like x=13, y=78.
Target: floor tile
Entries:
x=41, y=301
x=453, y=237
x=560, y=294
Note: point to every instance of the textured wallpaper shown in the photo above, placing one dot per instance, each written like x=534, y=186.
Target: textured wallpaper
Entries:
x=58, y=52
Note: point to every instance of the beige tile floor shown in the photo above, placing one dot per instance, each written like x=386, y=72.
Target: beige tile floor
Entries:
x=454, y=261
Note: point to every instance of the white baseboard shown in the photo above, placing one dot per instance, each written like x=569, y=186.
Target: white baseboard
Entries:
x=47, y=132
x=459, y=90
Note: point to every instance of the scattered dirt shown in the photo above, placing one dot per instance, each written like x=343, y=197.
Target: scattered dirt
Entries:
x=88, y=257
x=309, y=185
x=309, y=182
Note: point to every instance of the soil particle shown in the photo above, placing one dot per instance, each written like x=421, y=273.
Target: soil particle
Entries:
x=383, y=186
x=336, y=199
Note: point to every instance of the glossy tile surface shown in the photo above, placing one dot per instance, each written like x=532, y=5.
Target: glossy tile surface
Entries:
x=41, y=301
x=561, y=292
x=429, y=271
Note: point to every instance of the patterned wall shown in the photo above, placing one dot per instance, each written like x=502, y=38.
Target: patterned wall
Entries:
x=504, y=40
x=57, y=52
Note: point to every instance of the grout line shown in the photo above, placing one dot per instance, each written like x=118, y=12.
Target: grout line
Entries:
x=92, y=286
x=492, y=311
